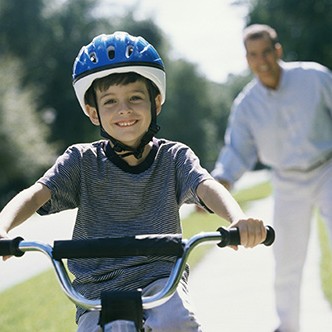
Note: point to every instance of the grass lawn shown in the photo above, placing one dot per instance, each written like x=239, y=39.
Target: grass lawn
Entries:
x=39, y=305
x=326, y=261
x=36, y=305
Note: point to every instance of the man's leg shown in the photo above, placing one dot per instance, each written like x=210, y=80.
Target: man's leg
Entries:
x=292, y=220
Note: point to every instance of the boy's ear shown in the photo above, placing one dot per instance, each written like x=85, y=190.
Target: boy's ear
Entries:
x=93, y=115
x=158, y=104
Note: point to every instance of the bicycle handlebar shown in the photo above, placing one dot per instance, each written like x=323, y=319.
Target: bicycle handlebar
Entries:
x=156, y=245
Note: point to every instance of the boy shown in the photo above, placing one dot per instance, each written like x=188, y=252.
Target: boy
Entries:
x=128, y=183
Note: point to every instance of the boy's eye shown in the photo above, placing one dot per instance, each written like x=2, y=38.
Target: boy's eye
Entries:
x=136, y=98
x=109, y=101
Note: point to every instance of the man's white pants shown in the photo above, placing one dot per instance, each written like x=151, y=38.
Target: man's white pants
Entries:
x=296, y=195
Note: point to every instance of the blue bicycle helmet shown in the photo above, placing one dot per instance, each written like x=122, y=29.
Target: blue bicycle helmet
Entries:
x=120, y=53
x=117, y=53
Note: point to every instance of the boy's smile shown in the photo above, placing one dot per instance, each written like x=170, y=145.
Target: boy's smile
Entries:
x=126, y=124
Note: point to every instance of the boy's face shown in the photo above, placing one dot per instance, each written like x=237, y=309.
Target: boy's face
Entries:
x=124, y=111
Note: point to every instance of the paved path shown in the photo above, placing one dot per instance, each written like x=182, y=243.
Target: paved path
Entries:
x=233, y=291
x=45, y=229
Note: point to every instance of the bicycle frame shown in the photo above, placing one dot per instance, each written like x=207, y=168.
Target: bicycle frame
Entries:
x=116, y=247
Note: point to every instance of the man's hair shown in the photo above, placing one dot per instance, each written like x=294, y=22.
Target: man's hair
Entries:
x=104, y=83
x=257, y=31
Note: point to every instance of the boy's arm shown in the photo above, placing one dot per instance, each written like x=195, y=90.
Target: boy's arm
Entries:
x=226, y=184
x=218, y=199
x=23, y=206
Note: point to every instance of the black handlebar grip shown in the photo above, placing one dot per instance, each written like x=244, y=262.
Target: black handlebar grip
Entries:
x=231, y=237
x=270, y=236
x=11, y=247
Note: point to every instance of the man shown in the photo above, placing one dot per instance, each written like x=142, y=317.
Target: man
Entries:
x=283, y=118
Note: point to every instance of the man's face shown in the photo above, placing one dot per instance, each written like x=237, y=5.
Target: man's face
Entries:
x=262, y=57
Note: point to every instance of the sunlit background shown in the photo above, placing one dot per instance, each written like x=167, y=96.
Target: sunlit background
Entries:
x=207, y=33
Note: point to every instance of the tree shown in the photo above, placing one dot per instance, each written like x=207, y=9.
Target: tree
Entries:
x=187, y=112
x=221, y=97
x=24, y=153
x=303, y=26
x=52, y=37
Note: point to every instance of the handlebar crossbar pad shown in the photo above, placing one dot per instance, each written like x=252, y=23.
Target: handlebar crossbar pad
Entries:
x=11, y=247
x=153, y=245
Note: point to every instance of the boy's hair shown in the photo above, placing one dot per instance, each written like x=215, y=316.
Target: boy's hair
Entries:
x=257, y=31
x=104, y=83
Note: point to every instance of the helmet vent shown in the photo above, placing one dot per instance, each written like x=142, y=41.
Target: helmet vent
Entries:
x=129, y=51
x=93, y=57
x=111, y=52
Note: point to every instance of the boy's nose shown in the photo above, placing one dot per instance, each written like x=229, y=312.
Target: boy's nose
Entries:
x=124, y=107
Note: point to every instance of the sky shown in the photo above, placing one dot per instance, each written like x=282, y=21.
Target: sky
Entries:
x=207, y=33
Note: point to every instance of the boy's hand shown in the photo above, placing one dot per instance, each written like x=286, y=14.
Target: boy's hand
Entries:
x=252, y=232
x=3, y=234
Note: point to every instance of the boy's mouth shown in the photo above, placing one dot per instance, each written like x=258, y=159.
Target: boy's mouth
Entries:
x=126, y=123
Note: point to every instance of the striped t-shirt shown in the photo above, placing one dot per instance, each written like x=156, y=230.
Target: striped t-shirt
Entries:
x=115, y=199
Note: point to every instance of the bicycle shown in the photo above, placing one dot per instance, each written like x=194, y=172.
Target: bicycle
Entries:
x=124, y=310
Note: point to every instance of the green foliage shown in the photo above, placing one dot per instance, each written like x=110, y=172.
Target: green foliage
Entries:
x=303, y=26
x=186, y=113
x=24, y=153
x=53, y=36
x=148, y=29
x=221, y=97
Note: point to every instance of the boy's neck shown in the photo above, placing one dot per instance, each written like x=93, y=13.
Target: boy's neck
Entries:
x=133, y=161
